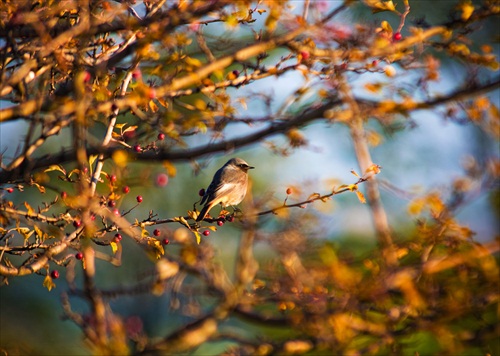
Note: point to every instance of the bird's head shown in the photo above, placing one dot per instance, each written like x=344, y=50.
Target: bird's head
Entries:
x=238, y=163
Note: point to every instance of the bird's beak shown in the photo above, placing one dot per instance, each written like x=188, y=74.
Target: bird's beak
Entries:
x=250, y=167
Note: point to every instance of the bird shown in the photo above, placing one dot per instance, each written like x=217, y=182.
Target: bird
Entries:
x=228, y=187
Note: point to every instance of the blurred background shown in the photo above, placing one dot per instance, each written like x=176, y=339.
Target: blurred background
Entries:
x=428, y=154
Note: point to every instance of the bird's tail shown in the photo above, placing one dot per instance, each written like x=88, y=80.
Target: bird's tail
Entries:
x=203, y=212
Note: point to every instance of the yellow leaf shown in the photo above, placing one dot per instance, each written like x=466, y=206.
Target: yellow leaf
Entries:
x=380, y=5
x=386, y=26
x=48, y=283
x=30, y=209
x=202, y=127
x=130, y=128
x=374, y=168
x=153, y=106
x=25, y=232
x=416, y=206
x=314, y=196
x=92, y=159
x=354, y=173
x=198, y=237
x=282, y=213
x=120, y=126
x=193, y=62
x=467, y=9
x=373, y=87
x=144, y=233
x=374, y=138
x=361, y=197
x=341, y=187
x=166, y=269
x=200, y=104
x=192, y=214
x=157, y=247
x=56, y=167
x=39, y=233
x=114, y=246
x=41, y=188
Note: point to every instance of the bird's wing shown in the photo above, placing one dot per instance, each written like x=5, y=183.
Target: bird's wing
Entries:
x=212, y=188
x=224, y=181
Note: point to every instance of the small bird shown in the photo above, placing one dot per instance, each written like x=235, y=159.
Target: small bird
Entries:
x=228, y=187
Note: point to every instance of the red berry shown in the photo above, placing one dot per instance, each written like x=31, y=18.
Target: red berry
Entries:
x=305, y=55
x=116, y=212
x=112, y=178
x=137, y=148
x=79, y=256
x=130, y=134
x=289, y=191
x=166, y=241
x=161, y=180
x=92, y=217
x=374, y=63
x=136, y=74
x=161, y=136
x=86, y=77
x=157, y=232
x=139, y=198
x=77, y=223
x=220, y=222
x=230, y=218
x=64, y=195
x=236, y=73
x=85, y=170
x=54, y=274
x=152, y=93
x=10, y=190
x=201, y=192
x=126, y=189
x=118, y=237
x=111, y=203
x=397, y=36
x=206, y=233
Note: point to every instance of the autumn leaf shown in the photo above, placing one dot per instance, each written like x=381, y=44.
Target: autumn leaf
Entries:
x=25, y=232
x=114, y=246
x=157, y=247
x=48, y=283
x=192, y=214
x=467, y=9
x=92, y=159
x=56, y=167
x=30, y=209
x=380, y=5
x=198, y=236
x=313, y=196
x=361, y=197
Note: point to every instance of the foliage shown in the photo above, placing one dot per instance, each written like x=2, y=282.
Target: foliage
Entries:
x=133, y=85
